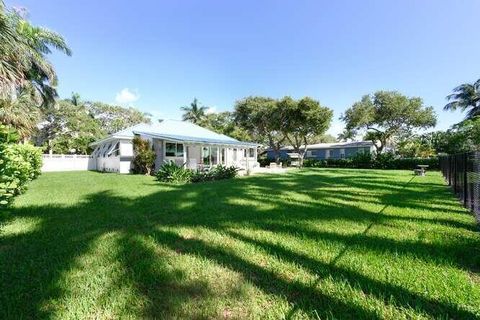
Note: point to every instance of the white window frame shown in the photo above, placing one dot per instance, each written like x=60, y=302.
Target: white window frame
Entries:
x=177, y=154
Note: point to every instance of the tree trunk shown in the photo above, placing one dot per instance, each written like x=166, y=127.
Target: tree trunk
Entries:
x=380, y=147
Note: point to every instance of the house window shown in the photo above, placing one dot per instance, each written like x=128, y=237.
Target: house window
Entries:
x=173, y=149
x=116, y=150
x=214, y=155
x=105, y=149
x=206, y=155
x=170, y=149
x=179, y=150
x=234, y=154
x=222, y=155
x=251, y=152
x=244, y=153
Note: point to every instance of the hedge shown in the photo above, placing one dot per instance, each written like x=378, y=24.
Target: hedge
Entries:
x=19, y=164
x=395, y=163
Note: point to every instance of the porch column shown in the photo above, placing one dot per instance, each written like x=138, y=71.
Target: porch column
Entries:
x=185, y=156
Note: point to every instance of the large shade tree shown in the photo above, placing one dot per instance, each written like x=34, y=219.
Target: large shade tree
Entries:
x=305, y=120
x=67, y=128
x=465, y=97
x=386, y=116
x=195, y=112
x=115, y=118
x=224, y=123
x=264, y=120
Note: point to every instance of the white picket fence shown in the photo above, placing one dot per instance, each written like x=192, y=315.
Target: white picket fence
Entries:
x=67, y=162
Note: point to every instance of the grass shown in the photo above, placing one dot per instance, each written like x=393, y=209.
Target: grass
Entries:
x=319, y=243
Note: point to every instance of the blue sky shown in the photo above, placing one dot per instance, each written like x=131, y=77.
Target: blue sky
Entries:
x=159, y=55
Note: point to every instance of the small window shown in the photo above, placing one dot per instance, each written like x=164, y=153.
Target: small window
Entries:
x=105, y=149
x=179, y=150
x=173, y=149
x=244, y=153
x=116, y=150
x=234, y=154
x=251, y=152
x=170, y=149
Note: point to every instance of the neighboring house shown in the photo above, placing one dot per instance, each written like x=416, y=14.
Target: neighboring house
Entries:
x=184, y=143
x=322, y=151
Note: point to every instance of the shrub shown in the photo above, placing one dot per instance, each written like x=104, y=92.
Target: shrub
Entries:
x=219, y=172
x=365, y=161
x=171, y=172
x=144, y=156
x=362, y=160
x=19, y=164
x=384, y=161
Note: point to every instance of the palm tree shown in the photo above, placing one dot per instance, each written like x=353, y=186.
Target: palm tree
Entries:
x=465, y=97
x=21, y=113
x=195, y=113
x=23, y=50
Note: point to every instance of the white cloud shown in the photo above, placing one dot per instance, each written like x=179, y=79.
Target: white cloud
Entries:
x=126, y=96
x=211, y=110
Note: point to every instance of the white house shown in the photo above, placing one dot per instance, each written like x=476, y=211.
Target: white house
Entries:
x=183, y=142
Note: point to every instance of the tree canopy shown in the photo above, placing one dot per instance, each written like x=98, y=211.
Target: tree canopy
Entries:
x=263, y=119
x=387, y=115
x=465, y=97
x=305, y=120
x=224, y=123
x=23, y=51
x=71, y=125
x=115, y=118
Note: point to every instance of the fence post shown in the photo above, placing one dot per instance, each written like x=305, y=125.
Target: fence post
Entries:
x=454, y=174
x=465, y=182
x=449, y=170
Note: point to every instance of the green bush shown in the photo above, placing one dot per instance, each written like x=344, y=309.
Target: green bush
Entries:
x=19, y=164
x=144, y=156
x=362, y=160
x=171, y=172
x=219, y=172
x=384, y=161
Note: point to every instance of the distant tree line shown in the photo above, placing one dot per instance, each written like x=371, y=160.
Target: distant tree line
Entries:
x=71, y=125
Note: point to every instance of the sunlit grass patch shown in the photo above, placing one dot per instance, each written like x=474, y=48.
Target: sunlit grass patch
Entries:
x=320, y=243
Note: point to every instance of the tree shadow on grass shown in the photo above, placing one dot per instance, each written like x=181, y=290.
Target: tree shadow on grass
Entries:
x=32, y=263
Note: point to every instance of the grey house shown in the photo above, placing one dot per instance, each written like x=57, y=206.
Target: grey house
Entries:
x=321, y=151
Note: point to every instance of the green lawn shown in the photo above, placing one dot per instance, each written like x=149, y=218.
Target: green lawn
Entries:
x=326, y=243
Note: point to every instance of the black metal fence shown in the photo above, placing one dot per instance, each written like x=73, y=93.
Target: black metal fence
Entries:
x=462, y=172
